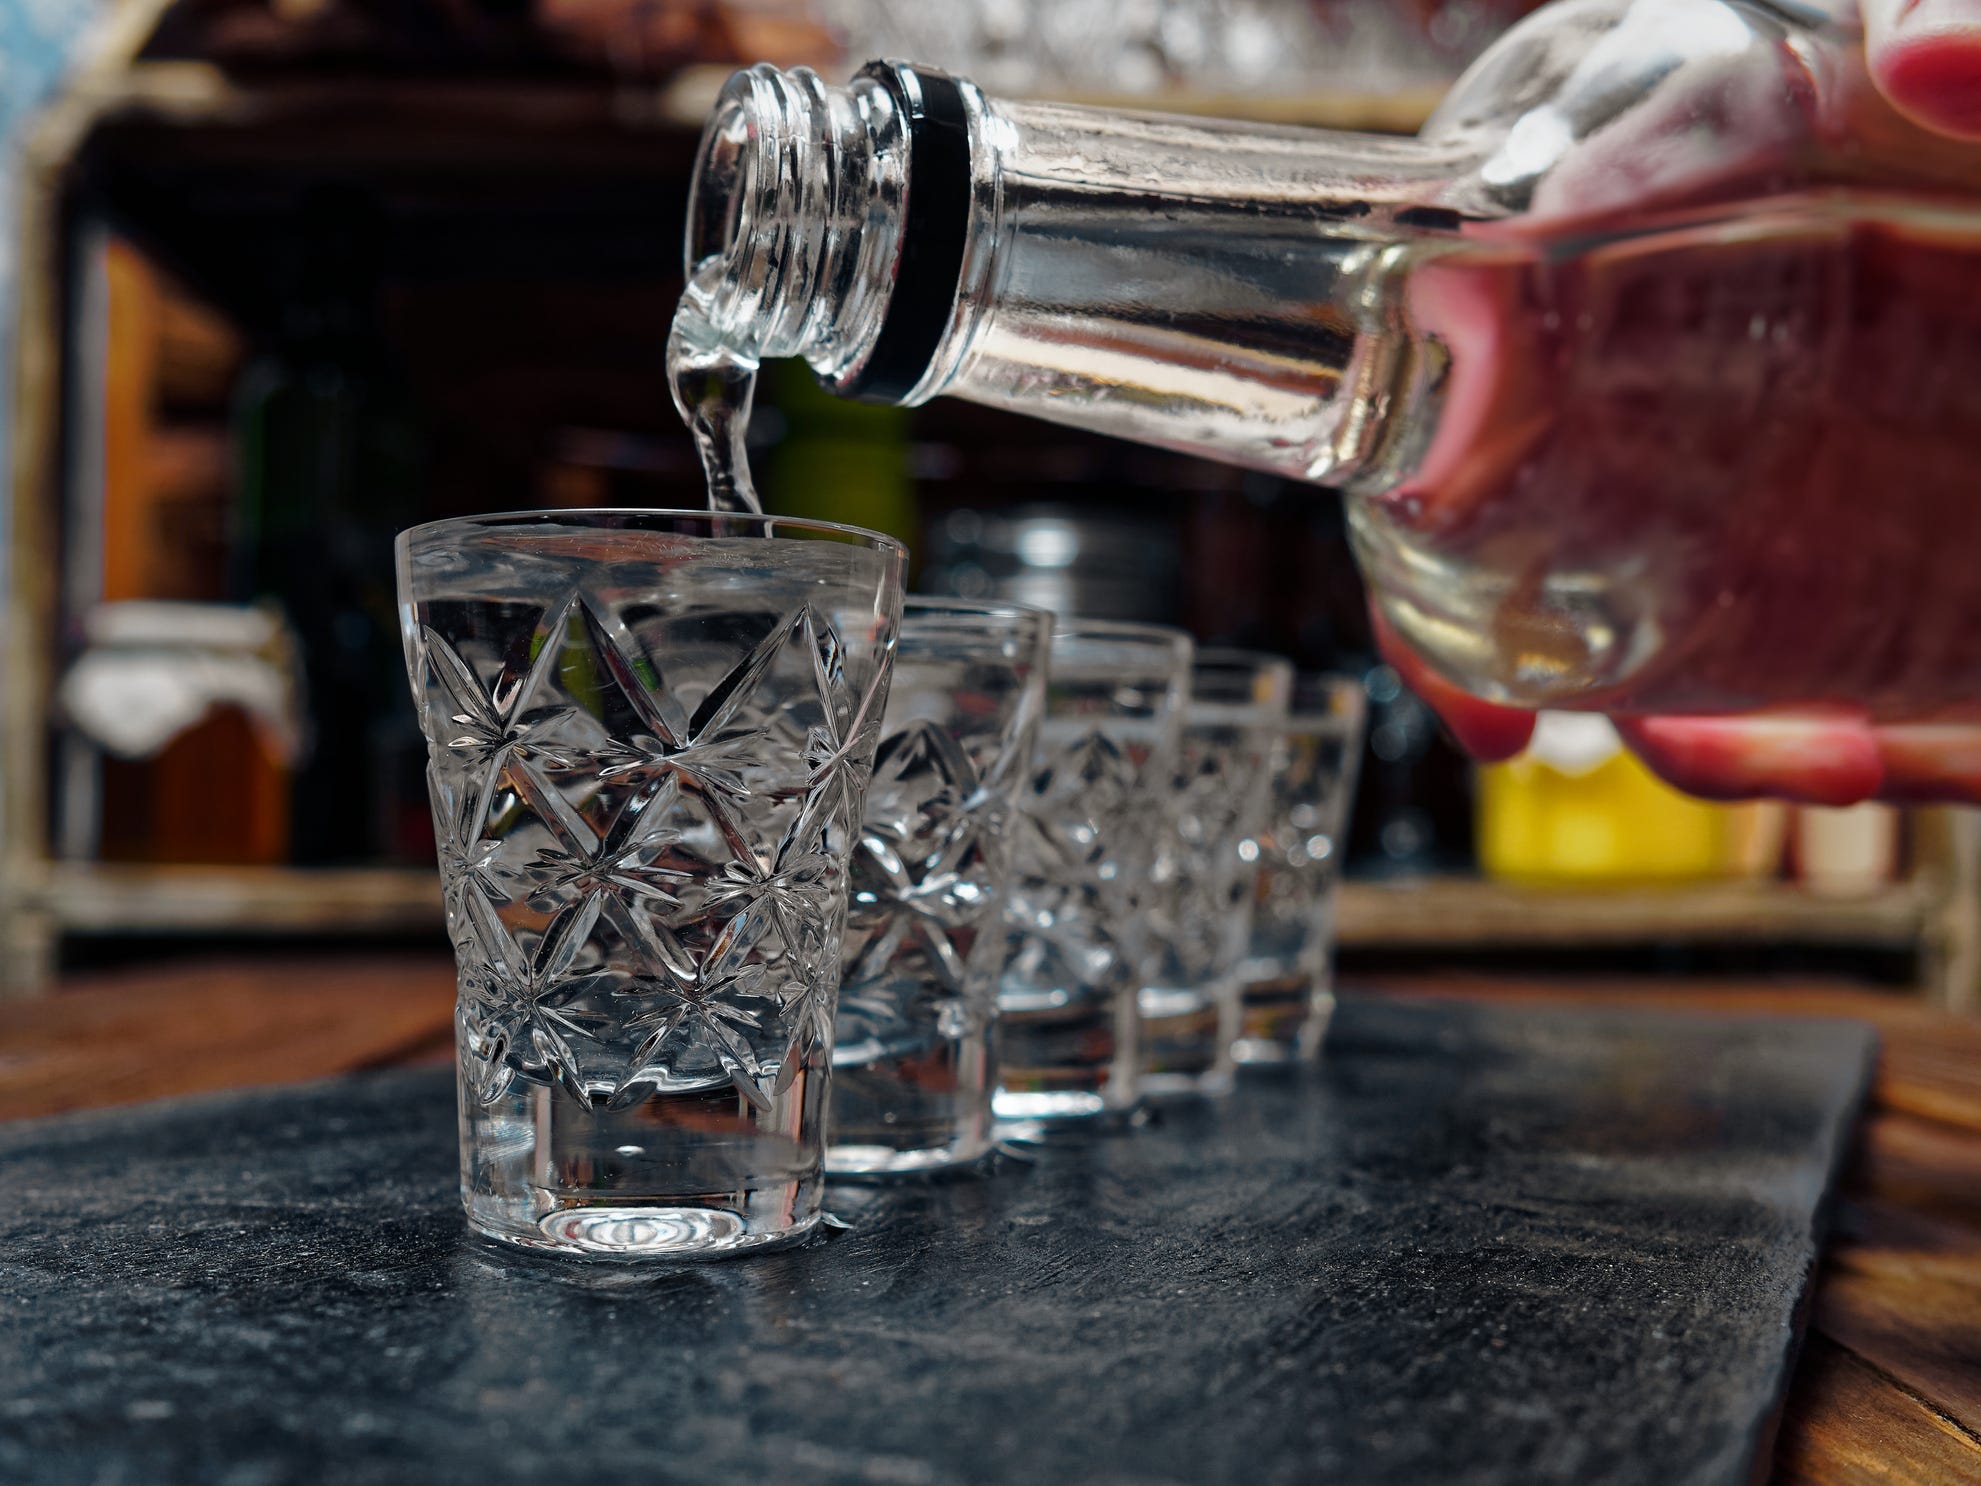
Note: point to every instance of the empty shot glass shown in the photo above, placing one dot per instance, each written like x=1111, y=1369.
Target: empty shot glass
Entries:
x=1084, y=839
x=1288, y=973
x=648, y=734
x=1199, y=908
x=914, y=1063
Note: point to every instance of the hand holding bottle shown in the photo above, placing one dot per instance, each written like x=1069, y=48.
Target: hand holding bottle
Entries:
x=1925, y=57
x=1650, y=370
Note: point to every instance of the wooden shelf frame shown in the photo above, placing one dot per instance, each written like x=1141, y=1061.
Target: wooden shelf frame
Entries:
x=1466, y=913
x=111, y=900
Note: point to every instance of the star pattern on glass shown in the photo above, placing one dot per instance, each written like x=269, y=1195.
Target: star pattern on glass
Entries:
x=921, y=840
x=1196, y=881
x=484, y=1017
x=714, y=745
x=835, y=744
x=788, y=895
x=466, y=855
x=700, y=1010
x=1076, y=803
x=686, y=850
x=622, y=863
x=479, y=728
x=539, y=986
x=1068, y=908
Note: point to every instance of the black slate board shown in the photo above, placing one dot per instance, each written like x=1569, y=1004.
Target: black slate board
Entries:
x=1480, y=1246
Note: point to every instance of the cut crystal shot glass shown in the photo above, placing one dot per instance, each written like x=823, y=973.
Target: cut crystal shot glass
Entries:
x=1085, y=839
x=1288, y=972
x=1199, y=895
x=914, y=1065
x=649, y=736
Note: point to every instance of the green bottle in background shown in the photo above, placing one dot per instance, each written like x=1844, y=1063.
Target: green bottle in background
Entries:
x=840, y=460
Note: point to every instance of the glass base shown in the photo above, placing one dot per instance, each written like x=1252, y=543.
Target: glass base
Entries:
x=878, y=1162
x=636, y=1232
x=1041, y=1119
x=1050, y=1105
x=694, y=1174
x=1284, y=1021
x=1266, y=1052
x=1187, y=1035
x=1067, y=1057
x=1212, y=1083
x=911, y=1107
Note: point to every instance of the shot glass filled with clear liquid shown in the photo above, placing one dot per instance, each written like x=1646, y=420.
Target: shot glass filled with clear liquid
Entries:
x=915, y=1062
x=1199, y=897
x=1287, y=976
x=1084, y=841
x=648, y=736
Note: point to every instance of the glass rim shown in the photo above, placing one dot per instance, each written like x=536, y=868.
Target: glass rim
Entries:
x=1229, y=681
x=1329, y=679
x=1075, y=627
x=1327, y=697
x=1329, y=684
x=1236, y=658
x=983, y=626
x=943, y=603
x=634, y=518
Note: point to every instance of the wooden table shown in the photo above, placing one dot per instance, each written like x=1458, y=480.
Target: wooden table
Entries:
x=1889, y=1386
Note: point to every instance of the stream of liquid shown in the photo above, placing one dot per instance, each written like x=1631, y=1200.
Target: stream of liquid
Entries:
x=714, y=384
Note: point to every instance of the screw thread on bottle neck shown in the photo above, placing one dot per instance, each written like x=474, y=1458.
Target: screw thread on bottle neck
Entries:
x=794, y=218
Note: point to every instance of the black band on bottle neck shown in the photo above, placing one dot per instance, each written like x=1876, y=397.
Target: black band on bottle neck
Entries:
x=934, y=229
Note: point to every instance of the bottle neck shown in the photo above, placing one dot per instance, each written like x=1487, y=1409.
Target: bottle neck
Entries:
x=1191, y=283
x=1222, y=289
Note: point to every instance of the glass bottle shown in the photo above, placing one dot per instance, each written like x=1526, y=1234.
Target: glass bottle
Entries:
x=1651, y=369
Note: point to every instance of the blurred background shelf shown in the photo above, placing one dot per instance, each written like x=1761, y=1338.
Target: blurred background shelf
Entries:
x=435, y=246
x=1466, y=913
x=105, y=899
x=1436, y=912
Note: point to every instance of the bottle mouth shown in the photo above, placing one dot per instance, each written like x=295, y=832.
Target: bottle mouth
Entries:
x=721, y=179
x=788, y=234
x=746, y=228
x=803, y=237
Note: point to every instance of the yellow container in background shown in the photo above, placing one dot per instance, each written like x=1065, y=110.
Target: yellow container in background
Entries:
x=1578, y=808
